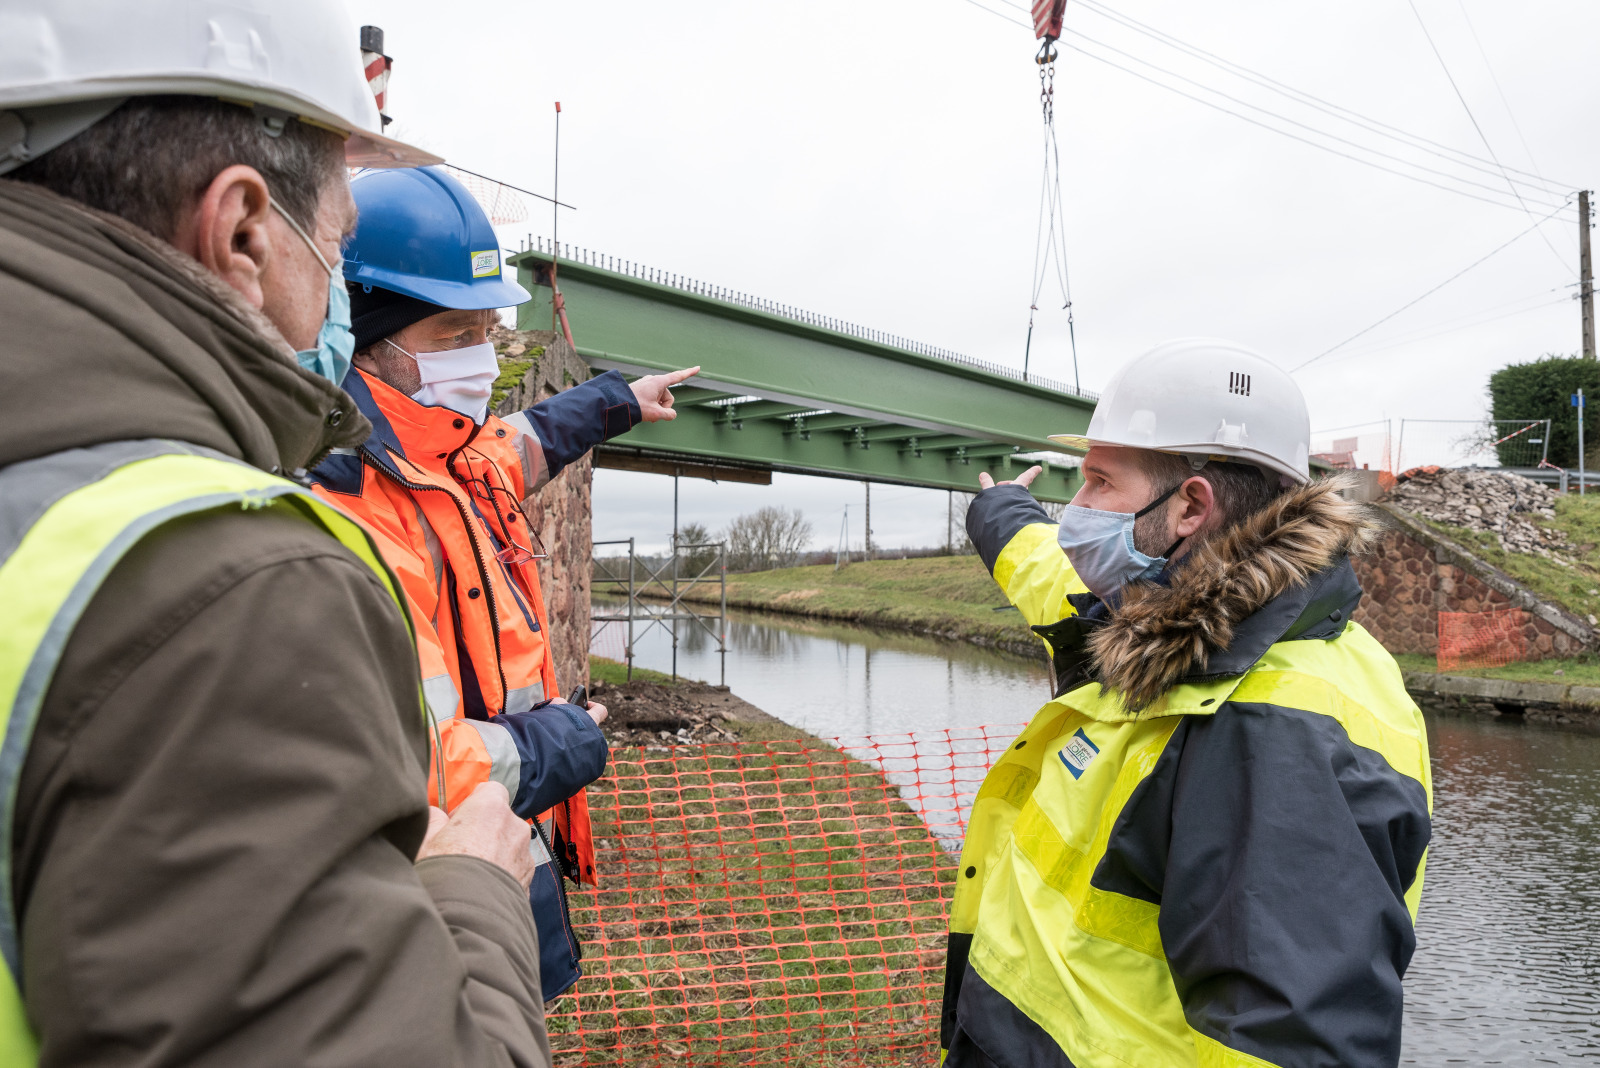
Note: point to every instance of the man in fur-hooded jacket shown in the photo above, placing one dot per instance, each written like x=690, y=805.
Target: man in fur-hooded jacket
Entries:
x=1208, y=848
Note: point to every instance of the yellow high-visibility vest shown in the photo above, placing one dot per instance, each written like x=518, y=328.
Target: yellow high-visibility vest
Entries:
x=65, y=521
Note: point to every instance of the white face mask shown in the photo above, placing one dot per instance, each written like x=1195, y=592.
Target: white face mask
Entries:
x=459, y=379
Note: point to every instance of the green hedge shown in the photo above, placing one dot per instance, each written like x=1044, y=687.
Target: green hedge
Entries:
x=1541, y=390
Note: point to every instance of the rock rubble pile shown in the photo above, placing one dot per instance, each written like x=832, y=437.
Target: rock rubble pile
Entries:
x=1499, y=503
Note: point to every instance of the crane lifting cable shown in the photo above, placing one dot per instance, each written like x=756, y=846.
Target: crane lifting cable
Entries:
x=1050, y=242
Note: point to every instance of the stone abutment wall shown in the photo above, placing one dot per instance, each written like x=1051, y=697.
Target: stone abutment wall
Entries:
x=1413, y=574
x=559, y=512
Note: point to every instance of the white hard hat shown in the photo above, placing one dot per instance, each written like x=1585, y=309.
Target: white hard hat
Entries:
x=1200, y=397
x=64, y=64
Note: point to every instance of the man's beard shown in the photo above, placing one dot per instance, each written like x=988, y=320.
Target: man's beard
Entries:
x=1150, y=533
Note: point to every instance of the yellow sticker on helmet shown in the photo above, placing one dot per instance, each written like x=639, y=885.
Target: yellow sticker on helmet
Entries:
x=486, y=264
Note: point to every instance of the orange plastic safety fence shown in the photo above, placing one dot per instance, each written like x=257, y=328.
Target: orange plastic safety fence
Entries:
x=1482, y=639
x=772, y=903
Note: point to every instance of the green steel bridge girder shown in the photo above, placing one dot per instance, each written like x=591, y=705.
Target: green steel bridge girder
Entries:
x=699, y=433
x=881, y=412
x=643, y=327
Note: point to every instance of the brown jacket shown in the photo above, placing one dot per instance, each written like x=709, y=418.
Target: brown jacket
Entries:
x=218, y=815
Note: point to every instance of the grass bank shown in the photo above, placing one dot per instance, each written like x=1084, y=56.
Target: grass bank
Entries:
x=1574, y=585
x=944, y=596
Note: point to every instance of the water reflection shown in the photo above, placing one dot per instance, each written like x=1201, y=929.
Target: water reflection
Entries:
x=838, y=680
x=1507, y=970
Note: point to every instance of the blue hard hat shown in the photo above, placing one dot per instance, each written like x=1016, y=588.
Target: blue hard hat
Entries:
x=423, y=235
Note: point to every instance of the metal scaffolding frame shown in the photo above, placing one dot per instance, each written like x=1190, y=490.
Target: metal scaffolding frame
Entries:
x=643, y=597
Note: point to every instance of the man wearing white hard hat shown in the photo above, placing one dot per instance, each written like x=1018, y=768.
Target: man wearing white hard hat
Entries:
x=1207, y=849
x=214, y=827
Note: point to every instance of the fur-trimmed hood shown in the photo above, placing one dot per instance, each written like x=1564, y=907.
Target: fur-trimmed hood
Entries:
x=1281, y=573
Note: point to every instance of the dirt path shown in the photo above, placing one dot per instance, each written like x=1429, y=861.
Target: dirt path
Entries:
x=654, y=715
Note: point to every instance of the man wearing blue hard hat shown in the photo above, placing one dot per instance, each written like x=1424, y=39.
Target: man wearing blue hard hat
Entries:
x=441, y=483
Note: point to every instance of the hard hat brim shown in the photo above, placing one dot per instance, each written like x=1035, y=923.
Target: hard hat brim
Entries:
x=1078, y=443
x=363, y=147
x=456, y=296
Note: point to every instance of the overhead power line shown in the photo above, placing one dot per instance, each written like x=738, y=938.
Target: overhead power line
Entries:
x=1337, y=111
x=1460, y=322
x=1411, y=303
x=1294, y=136
x=1496, y=198
x=1481, y=135
x=1417, y=340
x=1515, y=125
x=1295, y=122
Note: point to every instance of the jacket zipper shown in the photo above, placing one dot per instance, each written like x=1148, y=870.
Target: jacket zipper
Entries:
x=561, y=889
x=477, y=556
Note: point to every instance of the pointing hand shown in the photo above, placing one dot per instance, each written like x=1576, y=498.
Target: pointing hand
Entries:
x=1024, y=480
x=654, y=393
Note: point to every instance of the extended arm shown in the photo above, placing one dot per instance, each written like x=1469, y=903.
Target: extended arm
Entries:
x=1017, y=540
x=558, y=431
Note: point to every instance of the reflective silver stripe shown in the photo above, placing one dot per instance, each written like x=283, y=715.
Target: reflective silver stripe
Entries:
x=29, y=488
x=505, y=763
x=431, y=540
x=535, y=472
x=520, y=700
x=440, y=693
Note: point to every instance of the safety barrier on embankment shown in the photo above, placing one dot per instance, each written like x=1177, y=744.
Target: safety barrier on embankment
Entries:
x=773, y=902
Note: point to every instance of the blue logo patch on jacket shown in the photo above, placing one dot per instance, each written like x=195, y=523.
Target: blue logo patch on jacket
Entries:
x=1078, y=752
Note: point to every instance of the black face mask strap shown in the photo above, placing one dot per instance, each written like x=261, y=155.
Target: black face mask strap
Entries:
x=1152, y=506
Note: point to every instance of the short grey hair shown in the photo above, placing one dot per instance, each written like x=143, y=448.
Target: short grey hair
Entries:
x=150, y=160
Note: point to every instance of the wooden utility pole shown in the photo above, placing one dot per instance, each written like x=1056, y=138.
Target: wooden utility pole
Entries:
x=1585, y=275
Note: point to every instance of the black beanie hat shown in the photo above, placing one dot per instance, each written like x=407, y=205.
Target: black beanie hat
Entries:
x=377, y=313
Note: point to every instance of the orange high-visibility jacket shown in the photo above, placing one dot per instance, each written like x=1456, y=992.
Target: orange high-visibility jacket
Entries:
x=442, y=497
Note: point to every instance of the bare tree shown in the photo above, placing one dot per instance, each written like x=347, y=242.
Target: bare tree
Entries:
x=961, y=544
x=693, y=539
x=767, y=538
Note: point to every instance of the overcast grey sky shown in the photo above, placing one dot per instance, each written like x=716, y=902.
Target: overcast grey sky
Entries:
x=879, y=161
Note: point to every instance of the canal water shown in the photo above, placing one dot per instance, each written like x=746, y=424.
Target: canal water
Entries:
x=1507, y=969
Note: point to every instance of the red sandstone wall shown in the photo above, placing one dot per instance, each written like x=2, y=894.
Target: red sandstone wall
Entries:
x=1407, y=586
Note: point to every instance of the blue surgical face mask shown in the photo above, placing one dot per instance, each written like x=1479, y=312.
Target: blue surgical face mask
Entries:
x=335, y=343
x=1100, y=547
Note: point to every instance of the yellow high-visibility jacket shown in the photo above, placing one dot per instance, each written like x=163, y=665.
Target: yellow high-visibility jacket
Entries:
x=1208, y=848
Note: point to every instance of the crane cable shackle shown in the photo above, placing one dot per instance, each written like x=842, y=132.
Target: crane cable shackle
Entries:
x=1050, y=240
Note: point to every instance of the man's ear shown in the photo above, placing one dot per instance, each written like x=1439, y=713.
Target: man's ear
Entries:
x=227, y=230
x=1197, y=505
